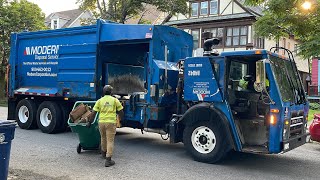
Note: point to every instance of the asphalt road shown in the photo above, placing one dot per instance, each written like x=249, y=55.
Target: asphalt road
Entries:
x=42, y=156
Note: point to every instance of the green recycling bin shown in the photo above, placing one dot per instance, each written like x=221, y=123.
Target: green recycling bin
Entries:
x=7, y=129
x=89, y=138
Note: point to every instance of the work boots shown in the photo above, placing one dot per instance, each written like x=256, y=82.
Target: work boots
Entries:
x=109, y=162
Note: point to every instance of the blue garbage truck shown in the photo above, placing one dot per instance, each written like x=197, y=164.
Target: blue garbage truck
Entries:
x=247, y=101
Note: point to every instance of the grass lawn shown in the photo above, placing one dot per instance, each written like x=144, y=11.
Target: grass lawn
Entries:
x=311, y=113
x=3, y=103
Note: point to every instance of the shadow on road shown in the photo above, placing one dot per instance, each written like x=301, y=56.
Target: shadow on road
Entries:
x=278, y=164
x=275, y=164
x=120, y=133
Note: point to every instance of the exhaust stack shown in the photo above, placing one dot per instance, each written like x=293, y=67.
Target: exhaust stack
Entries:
x=209, y=43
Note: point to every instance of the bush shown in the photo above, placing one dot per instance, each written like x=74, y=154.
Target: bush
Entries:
x=314, y=106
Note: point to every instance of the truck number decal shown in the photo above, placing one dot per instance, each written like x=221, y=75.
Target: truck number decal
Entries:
x=193, y=73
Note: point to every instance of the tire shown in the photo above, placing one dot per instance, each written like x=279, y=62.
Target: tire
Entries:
x=206, y=141
x=26, y=112
x=79, y=148
x=49, y=117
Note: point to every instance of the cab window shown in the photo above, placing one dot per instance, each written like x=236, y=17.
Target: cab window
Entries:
x=237, y=71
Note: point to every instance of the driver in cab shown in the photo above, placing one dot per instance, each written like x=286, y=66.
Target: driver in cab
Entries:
x=247, y=83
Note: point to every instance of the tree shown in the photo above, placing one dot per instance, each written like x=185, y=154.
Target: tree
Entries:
x=282, y=18
x=16, y=16
x=122, y=10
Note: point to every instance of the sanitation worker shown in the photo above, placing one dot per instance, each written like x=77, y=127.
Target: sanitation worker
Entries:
x=246, y=83
x=108, y=108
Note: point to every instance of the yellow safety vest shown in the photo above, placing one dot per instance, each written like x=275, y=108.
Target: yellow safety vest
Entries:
x=267, y=83
x=243, y=84
x=107, y=107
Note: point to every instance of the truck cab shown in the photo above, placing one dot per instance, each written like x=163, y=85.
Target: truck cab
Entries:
x=255, y=97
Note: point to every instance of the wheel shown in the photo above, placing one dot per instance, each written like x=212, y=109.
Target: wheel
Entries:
x=26, y=112
x=205, y=141
x=79, y=148
x=49, y=117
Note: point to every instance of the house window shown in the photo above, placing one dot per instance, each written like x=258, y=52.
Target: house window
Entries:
x=216, y=33
x=260, y=43
x=243, y=35
x=54, y=24
x=214, y=7
x=204, y=8
x=237, y=36
x=194, y=9
x=195, y=34
x=238, y=70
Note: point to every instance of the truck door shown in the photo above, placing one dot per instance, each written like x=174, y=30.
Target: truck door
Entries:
x=249, y=110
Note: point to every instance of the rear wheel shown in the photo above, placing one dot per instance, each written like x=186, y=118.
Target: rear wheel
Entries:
x=205, y=141
x=26, y=112
x=49, y=118
x=79, y=148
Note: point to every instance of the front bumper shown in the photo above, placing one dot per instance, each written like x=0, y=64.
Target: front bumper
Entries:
x=295, y=142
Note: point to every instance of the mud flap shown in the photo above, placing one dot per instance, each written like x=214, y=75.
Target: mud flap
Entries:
x=11, y=109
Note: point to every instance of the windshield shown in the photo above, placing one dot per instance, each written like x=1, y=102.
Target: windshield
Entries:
x=287, y=79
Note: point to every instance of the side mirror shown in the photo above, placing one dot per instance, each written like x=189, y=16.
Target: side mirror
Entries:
x=259, y=84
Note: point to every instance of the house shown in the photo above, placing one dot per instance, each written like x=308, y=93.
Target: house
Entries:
x=66, y=19
x=232, y=22
x=228, y=20
x=150, y=15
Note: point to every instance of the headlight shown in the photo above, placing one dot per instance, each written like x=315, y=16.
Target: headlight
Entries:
x=286, y=127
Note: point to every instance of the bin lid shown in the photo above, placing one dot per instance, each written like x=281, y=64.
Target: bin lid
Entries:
x=7, y=123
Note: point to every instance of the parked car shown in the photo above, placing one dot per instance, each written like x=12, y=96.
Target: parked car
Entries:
x=315, y=128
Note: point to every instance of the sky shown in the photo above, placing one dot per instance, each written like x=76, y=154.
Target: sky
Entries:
x=50, y=6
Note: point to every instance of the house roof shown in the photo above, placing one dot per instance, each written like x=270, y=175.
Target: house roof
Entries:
x=211, y=18
x=70, y=16
x=151, y=14
x=257, y=10
x=253, y=12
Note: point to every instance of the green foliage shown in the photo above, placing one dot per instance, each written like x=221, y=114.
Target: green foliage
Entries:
x=314, y=106
x=16, y=16
x=282, y=18
x=254, y=2
x=145, y=21
x=122, y=10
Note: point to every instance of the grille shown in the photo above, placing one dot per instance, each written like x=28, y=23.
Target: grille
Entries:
x=296, y=126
